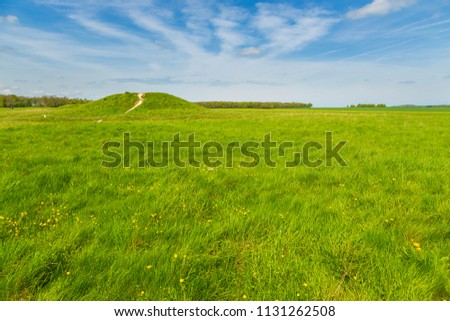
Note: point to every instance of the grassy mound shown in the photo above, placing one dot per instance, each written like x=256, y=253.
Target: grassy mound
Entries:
x=107, y=106
x=118, y=104
x=164, y=101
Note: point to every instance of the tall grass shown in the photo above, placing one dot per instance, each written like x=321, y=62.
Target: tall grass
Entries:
x=376, y=230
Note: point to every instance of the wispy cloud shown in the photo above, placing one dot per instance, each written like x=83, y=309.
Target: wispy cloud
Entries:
x=9, y=19
x=7, y=50
x=148, y=81
x=379, y=7
x=251, y=51
x=176, y=38
x=228, y=28
x=206, y=26
x=198, y=16
x=431, y=25
x=103, y=29
x=287, y=28
x=30, y=42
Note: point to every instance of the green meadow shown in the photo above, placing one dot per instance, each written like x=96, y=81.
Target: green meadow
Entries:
x=70, y=229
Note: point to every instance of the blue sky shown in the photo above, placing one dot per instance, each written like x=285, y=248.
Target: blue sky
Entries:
x=330, y=53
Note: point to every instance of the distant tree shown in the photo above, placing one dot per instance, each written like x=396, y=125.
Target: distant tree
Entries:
x=252, y=104
x=10, y=101
x=367, y=106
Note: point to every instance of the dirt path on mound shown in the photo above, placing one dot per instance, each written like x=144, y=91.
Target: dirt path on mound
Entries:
x=141, y=100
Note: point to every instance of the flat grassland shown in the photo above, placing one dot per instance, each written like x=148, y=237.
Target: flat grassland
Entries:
x=71, y=229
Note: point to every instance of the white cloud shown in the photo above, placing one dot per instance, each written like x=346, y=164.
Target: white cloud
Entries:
x=288, y=29
x=179, y=39
x=379, y=7
x=251, y=51
x=198, y=16
x=40, y=50
x=9, y=19
x=208, y=24
x=228, y=26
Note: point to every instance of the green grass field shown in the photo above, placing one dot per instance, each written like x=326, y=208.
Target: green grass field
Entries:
x=71, y=229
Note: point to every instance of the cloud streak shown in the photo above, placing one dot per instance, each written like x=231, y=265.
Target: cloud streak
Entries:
x=178, y=39
x=228, y=26
x=379, y=7
x=103, y=29
x=287, y=29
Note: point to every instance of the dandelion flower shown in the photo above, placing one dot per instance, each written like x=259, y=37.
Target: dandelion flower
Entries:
x=2, y=218
x=175, y=255
x=148, y=267
x=142, y=293
x=244, y=297
x=419, y=249
x=68, y=273
x=298, y=295
x=416, y=244
x=182, y=280
x=305, y=285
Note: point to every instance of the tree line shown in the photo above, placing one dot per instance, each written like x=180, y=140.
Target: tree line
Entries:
x=13, y=101
x=367, y=106
x=252, y=104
